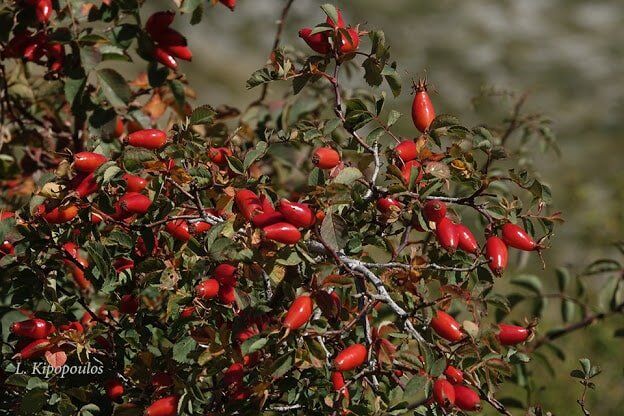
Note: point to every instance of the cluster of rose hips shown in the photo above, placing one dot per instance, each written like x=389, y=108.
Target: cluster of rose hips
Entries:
x=160, y=384
x=38, y=336
x=282, y=223
x=34, y=337
x=131, y=204
x=38, y=48
x=169, y=44
x=451, y=236
x=331, y=37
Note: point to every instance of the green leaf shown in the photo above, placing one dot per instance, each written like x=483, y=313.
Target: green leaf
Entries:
x=235, y=164
x=202, y=115
x=156, y=75
x=393, y=117
x=182, y=348
x=255, y=154
x=585, y=364
x=333, y=230
x=602, y=266
x=253, y=344
x=512, y=402
x=32, y=402
x=101, y=258
x=446, y=120
x=6, y=23
x=357, y=115
x=331, y=11
x=262, y=76
x=282, y=365
x=74, y=88
x=372, y=72
x=530, y=282
x=316, y=177
x=330, y=126
x=437, y=367
x=414, y=388
x=393, y=78
x=348, y=175
x=114, y=87
x=563, y=278
x=190, y=5
x=177, y=88
x=375, y=135
x=197, y=14
x=567, y=310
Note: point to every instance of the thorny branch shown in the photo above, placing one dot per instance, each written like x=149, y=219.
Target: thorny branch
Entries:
x=383, y=295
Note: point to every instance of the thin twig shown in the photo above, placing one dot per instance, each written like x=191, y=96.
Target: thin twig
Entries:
x=589, y=320
x=276, y=42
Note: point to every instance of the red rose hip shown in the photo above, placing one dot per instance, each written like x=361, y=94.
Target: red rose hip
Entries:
x=467, y=399
x=514, y=236
x=447, y=327
x=299, y=313
x=351, y=357
x=434, y=210
x=443, y=393
x=282, y=232
x=512, y=334
x=497, y=255
x=152, y=139
x=447, y=235
x=326, y=158
x=423, y=112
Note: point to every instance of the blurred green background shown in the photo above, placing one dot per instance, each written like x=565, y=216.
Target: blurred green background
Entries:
x=567, y=53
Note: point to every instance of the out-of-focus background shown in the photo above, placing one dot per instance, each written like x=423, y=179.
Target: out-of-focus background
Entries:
x=567, y=53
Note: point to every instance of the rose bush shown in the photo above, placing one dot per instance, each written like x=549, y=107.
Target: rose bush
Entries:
x=296, y=256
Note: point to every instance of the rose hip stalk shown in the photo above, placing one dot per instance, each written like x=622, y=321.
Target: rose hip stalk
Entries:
x=467, y=399
x=434, y=210
x=512, y=334
x=467, y=240
x=88, y=162
x=388, y=205
x=406, y=171
x=231, y=4
x=248, y=203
